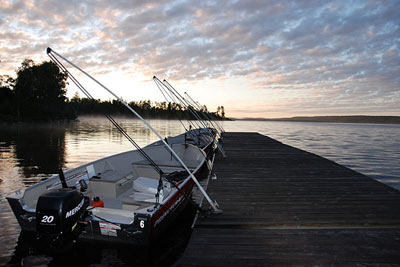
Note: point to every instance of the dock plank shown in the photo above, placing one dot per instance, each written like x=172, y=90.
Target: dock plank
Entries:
x=286, y=206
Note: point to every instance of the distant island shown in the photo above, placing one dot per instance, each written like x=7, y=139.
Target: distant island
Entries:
x=336, y=119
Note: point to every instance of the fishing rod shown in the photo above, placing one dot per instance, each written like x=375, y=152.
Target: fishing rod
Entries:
x=206, y=127
x=185, y=103
x=213, y=204
x=175, y=98
x=200, y=111
x=196, y=115
x=216, y=121
x=196, y=121
x=167, y=101
x=196, y=103
x=192, y=111
x=161, y=88
x=165, y=93
x=109, y=117
x=115, y=123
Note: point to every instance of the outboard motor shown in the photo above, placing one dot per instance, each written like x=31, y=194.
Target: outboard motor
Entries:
x=57, y=214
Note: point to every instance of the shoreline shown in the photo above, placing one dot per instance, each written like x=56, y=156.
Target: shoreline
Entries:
x=121, y=116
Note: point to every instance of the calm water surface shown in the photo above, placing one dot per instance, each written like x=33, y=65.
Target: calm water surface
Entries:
x=30, y=153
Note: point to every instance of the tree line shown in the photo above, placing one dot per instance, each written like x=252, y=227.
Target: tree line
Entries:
x=38, y=93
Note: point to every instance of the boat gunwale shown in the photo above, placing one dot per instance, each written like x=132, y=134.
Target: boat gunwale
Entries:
x=19, y=195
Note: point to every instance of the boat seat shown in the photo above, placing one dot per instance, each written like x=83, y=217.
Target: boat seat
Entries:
x=138, y=200
x=111, y=176
x=149, y=186
x=145, y=185
x=144, y=191
x=111, y=183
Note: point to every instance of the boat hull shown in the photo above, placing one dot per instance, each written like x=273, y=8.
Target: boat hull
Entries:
x=146, y=228
x=26, y=219
x=145, y=224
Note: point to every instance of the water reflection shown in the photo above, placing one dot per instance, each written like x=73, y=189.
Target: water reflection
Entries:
x=93, y=138
x=38, y=149
x=41, y=150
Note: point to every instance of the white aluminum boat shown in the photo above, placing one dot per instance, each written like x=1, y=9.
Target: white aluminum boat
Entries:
x=138, y=204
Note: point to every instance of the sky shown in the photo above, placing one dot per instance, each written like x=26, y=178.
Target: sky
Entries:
x=256, y=58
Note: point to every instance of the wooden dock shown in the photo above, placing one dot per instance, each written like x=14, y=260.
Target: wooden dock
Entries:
x=285, y=206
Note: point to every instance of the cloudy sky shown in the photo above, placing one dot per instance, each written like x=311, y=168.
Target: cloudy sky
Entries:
x=256, y=58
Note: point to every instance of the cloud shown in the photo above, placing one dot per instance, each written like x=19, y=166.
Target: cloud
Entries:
x=351, y=49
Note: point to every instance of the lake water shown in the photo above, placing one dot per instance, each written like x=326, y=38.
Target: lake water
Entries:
x=31, y=152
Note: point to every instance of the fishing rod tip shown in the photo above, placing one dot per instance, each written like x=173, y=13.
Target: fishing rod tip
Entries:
x=49, y=50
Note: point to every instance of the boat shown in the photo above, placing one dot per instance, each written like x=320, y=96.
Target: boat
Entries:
x=138, y=203
x=202, y=138
x=131, y=197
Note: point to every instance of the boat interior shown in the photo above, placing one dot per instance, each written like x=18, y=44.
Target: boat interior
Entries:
x=194, y=137
x=124, y=182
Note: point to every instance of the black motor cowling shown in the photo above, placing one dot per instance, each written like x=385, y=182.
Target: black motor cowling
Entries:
x=58, y=212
